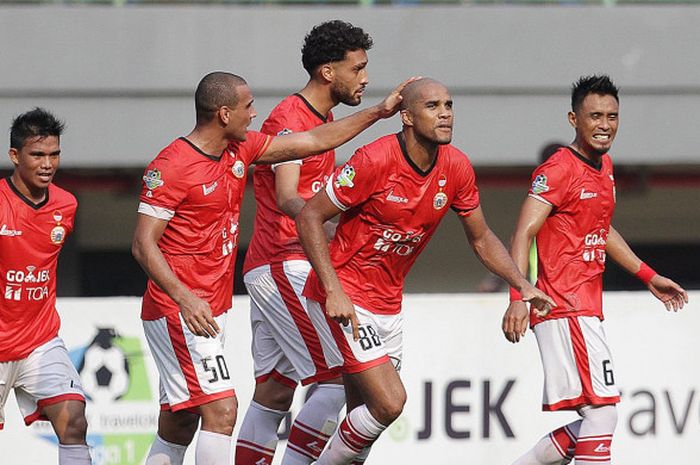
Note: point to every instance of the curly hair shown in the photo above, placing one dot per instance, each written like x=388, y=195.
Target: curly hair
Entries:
x=330, y=41
x=36, y=122
x=601, y=85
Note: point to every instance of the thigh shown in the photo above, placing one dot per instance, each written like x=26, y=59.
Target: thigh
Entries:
x=46, y=377
x=193, y=369
x=377, y=386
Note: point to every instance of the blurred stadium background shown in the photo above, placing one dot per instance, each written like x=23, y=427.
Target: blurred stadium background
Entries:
x=122, y=74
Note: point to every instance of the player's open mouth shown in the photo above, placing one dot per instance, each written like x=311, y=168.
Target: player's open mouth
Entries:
x=45, y=176
x=602, y=137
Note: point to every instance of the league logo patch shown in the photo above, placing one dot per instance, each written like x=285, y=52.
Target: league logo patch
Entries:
x=152, y=179
x=238, y=169
x=284, y=132
x=58, y=234
x=539, y=185
x=346, y=177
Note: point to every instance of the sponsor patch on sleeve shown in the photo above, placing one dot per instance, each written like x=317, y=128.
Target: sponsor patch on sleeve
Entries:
x=539, y=185
x=346, y=177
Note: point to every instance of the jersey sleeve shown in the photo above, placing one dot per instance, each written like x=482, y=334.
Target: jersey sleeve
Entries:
x=283, y=121
x=253, y=148
x=164, y=188
x=550, y=182
x=353, y=183
x=467, y=198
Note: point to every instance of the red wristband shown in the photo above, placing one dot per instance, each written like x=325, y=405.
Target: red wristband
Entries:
x=515, y=295
x=645, y=273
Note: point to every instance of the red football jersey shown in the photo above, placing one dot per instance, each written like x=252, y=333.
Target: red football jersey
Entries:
x=200, y=197
x=275, y=237
x=31, y=237
x=571, y=242
x=391, y=210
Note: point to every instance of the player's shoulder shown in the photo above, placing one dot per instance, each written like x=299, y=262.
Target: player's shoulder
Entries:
x=561, y=161
x=292, y=114
x=177, y=153
x=61, y=197
x=380, y=152
x=455, y=155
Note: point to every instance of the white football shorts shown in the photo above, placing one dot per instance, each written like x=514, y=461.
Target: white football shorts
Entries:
x=291, y=343
x=381, y=339
x=46, y=377
x=192, y=368
x=578, y=367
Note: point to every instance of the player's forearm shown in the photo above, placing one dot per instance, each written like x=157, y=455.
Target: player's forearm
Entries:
x=291, y=206
x=493, y=254
x=156, y=267
x=315, y=243
x=617, y=249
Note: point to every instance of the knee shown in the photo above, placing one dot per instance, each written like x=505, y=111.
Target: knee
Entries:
x=278, y=399
x=604, y=416
x=389, y=409
x=220, y=417
x=75, y=429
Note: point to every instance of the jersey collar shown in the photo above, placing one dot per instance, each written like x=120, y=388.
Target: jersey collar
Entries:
x=311, y=108
x=35, y=206
x=595, y=166
x=198, y=150
x=404, y=151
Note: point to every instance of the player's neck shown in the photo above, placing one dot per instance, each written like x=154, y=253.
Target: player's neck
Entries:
x=319, y=97
x=35, y=195
x=593, y=157
x=420, y=151
x=210, y=142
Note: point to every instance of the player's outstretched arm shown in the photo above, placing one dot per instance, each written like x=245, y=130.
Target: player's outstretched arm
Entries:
x=315, y=213
x=330, y=135
x=144, y=247
x=667, y=291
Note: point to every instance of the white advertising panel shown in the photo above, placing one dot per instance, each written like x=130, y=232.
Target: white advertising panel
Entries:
x=472, y=396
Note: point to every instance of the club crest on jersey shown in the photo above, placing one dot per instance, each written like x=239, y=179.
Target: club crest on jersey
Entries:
x=346, y=177
x=539, y=185
x=284, y=132
x=152, y=179
x=238, y=169
x=58, y=234
x=440, y=200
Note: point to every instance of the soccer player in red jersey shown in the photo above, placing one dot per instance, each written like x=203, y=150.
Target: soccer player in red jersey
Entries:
x=36, y=216
x=569, y=209
x=186, y=238
x=289, y=344
x=392, y=195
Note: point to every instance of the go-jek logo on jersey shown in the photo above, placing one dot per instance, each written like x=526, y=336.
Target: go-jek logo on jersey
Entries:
x=119, y=411
x=398, y=242
x=28, y=284
x=346, y=177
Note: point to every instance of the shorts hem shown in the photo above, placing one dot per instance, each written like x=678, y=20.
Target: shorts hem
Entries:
x=277, y=376
x=363, y=366
x=326, y=375
x=38, y=416
x=197, y=401
x=573, y=404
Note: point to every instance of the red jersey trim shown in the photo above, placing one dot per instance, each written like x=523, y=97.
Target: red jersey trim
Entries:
x=357, y=367
x=277, y=376
x=264, y=148
x=184, y=358
x=325, y=375
x=573, y=404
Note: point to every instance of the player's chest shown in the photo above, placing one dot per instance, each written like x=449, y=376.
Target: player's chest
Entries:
x=26, y=233
x=592, y=195
x=408, y=200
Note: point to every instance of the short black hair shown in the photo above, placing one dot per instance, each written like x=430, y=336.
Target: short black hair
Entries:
x=595, y=84
x=330, y=41
x=215, y=90
x=36, y=122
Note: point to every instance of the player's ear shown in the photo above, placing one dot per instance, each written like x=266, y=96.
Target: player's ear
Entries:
x=572, y=119
x=223, y=115
x=327, y=72
x=14, y=156
x=406, y=117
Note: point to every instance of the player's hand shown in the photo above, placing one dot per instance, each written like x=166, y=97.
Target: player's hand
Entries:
x=515, y=321
x=340, y=308
x=391, y=104
x=667, y=291
x=198, y=318
x=541, y=303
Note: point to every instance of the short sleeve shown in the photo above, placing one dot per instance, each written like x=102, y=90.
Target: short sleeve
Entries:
x=353, y=182
x=550, y=182
x=467, y=198
x=252, y=148
x=163, y=188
